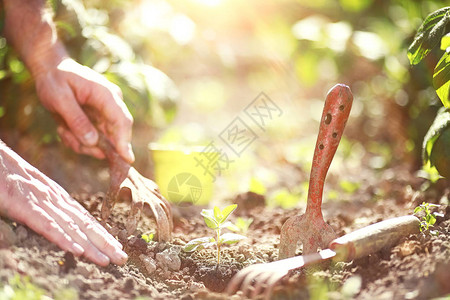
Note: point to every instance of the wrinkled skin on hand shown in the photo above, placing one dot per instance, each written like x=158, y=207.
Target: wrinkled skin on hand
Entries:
x=33, y=199
x=67, y=89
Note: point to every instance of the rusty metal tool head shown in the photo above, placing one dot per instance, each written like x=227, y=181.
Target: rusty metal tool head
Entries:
x=262, y=278
x=126, y=181
x=310, y=228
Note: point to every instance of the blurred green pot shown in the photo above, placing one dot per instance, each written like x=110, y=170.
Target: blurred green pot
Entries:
x=184, y=174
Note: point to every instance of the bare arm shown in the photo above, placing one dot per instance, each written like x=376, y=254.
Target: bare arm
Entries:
x=65, y=87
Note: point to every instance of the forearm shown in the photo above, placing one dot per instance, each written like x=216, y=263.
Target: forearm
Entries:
x=30, y=30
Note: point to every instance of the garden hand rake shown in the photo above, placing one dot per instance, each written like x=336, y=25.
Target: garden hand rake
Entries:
x=310, y=228
x=259, y=278
x=126, y=180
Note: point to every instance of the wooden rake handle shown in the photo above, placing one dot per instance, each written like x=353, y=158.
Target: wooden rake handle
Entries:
x=373, y=238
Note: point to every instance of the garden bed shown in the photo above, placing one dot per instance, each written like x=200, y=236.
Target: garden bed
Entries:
x=417, y=268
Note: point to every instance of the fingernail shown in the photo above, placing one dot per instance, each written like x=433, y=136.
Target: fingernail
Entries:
x=120, y=257
x=77, y=250
x=90, y=138
x=130, y=153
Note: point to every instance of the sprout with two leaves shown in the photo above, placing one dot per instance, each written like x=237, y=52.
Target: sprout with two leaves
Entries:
x=215, y=219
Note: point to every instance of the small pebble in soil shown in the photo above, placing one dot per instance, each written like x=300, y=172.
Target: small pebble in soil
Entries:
x=196, y=286
x=169, y=259
x=96, y=284
x=246, y=250
x=149, y=263
x=85, y=270
x=129, y=284
x=22, y=233
x=7, y=235
x=138, y=243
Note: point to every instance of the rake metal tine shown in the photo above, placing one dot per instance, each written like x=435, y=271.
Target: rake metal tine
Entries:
x=260, y=283
x=154, y=193
x=268, y=279
x=272, y=283
x=167, y=209
x=162, y=220
x=246, y=287
x=237, y=280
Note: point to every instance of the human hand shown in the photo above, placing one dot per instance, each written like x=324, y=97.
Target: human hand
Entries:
x=68, y=89
x=65, y=87
x=31, y=198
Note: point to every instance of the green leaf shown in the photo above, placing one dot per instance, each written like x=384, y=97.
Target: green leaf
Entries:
x=218, y=214
x=226, y=212
x=417, y=209
x=231, y=238
x=197, y=244
x=148, y=237
x=428, y=35
x=208, y=216
x=441, y=79
x=226, y=224
x=233, y=227
x=430, y=219
x=445, y=41
x=440, y=123
x=241, y=225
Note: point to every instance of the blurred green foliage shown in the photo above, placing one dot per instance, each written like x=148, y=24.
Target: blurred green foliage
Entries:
x=20, y=288
x=87, y=29
x=431, y=33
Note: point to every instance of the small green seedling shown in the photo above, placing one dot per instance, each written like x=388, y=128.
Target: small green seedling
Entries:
x=241, y=225
x=21, y=287
x=429, y=218
x=148, y=237
x=215, y=219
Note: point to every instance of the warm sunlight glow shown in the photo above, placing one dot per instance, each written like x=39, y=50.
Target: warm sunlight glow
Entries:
x=209, y=2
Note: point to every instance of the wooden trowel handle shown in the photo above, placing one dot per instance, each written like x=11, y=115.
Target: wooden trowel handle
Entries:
x=334, y=117
x=373, y=238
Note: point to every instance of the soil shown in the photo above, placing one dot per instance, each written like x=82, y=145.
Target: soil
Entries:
x=418, y=267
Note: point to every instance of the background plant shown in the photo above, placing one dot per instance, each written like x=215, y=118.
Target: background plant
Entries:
x=215, y=219
x=433, y=32
x=241, y=225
